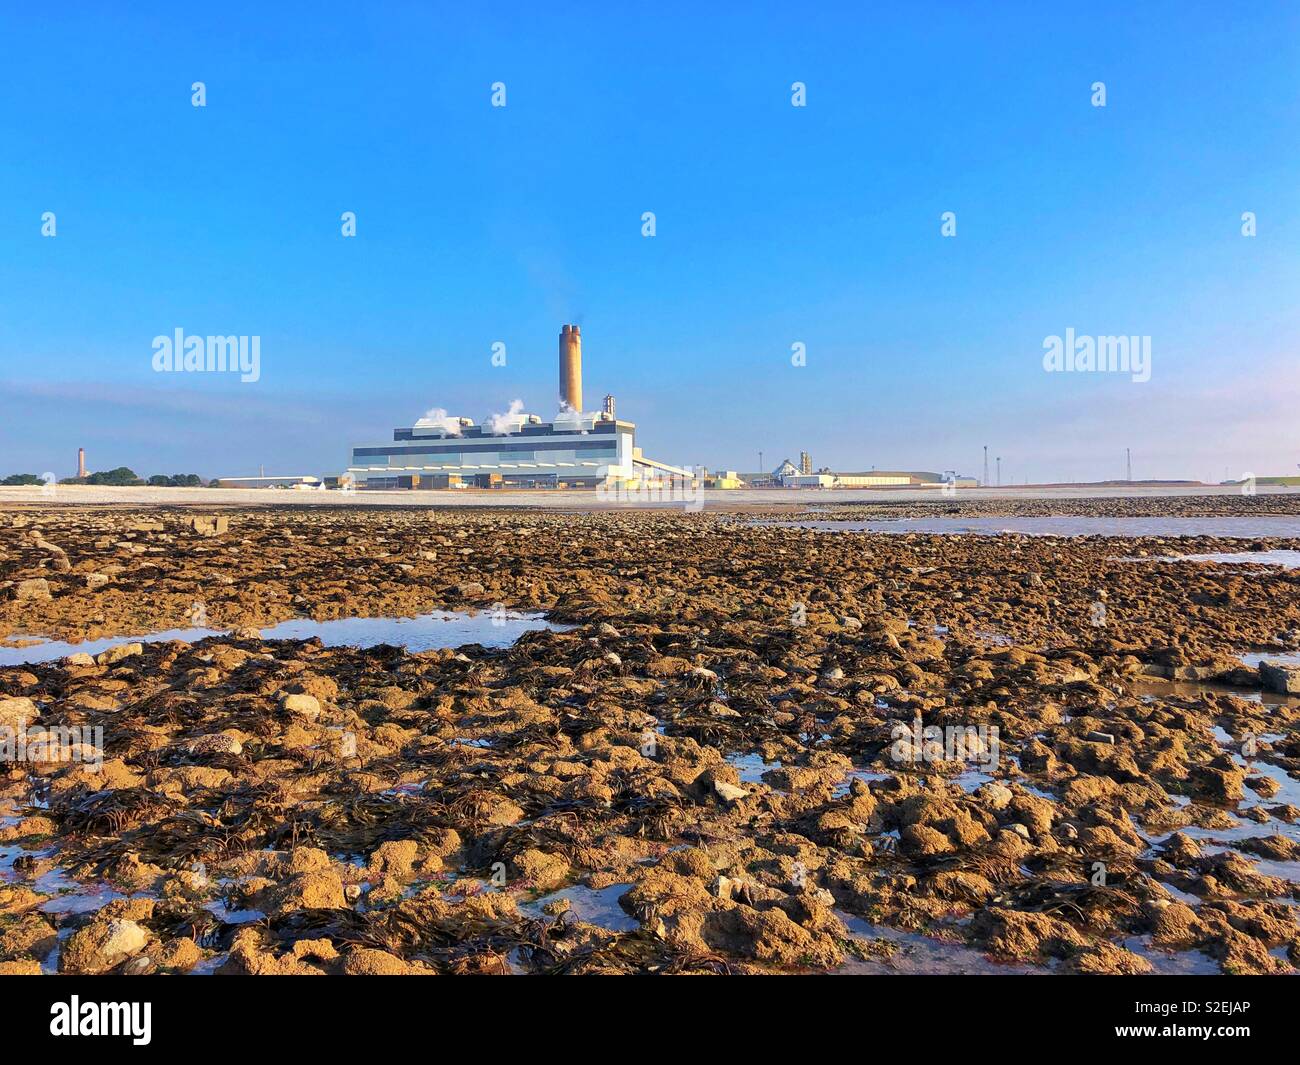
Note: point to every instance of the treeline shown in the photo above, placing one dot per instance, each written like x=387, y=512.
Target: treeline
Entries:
x=123, y=475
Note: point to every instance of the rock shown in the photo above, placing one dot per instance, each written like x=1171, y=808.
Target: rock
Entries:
x=1174, y=924
x=101, y=946
x=314, y=891
x=17, y=713
x=1025, y=935
x=729, y=792
x=1106, y=959
x=180, y=954
x=140, y=965
x=215, y=743
x=118, y=653
x=543, y=871
x=29, y=934
x=318, y=949
x=78, y=660
x=1220, y=781
x=35, y=589
x=394, y=858
x=1264, y=786
x=1099, y=737
x=209, y=524
x=366, y=961
x=1280, y=677
x=470, y=590
x=307, y=706
x=994, y=795
x=97, y=580
x=306, y=860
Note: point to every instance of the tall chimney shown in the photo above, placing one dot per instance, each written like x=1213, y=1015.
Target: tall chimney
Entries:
x=571, y=367
x=81, y=462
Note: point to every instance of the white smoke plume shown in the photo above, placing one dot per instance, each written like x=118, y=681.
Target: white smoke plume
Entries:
x=501, y=424
x=571, y=418
x=437, y=418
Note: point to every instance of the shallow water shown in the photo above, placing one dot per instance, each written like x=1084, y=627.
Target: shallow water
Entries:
x=1181, y=963
x=1246, y=528
x=1156, y=687
x=52, y=650
x=598, y=906
x=917, y=955
x=751, y=767
x=1282, y=658
x=1285, y=559
x=439, y=629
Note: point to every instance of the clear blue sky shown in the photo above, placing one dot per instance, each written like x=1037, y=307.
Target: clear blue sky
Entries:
x=776, y=225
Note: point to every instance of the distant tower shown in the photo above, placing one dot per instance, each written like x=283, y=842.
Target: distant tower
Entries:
x=609, y=406
x=81, y=462
x=986, y=465
x=805, y=462
x=571, y=367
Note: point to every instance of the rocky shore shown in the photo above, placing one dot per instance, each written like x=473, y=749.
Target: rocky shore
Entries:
x=738, y=759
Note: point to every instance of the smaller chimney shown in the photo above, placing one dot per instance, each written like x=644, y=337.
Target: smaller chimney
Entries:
x=609, y=406
x=81, y=462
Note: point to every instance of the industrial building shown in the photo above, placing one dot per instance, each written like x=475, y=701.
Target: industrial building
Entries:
x=297, y=481
x=518, y=450
x=788, y=475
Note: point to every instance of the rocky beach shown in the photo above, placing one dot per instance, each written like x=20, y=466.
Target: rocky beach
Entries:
x=720, y=742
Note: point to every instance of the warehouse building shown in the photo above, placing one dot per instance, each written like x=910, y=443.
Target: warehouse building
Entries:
x=788, y=475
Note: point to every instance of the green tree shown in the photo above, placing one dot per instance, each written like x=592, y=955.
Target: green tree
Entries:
x=120, y=476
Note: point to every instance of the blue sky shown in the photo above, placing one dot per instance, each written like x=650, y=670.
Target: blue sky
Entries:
x=775, y=225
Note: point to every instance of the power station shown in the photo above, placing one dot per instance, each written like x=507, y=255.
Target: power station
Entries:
x=518, y=450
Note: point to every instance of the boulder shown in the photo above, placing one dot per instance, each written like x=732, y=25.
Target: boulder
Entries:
x=36, y=589
x=307, y=706
x=210, y=524
x=17, y=713
x=121, y=651
x=1280, y=677
x=101, y=946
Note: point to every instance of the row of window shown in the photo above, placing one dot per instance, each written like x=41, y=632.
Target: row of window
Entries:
x=478, y=452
